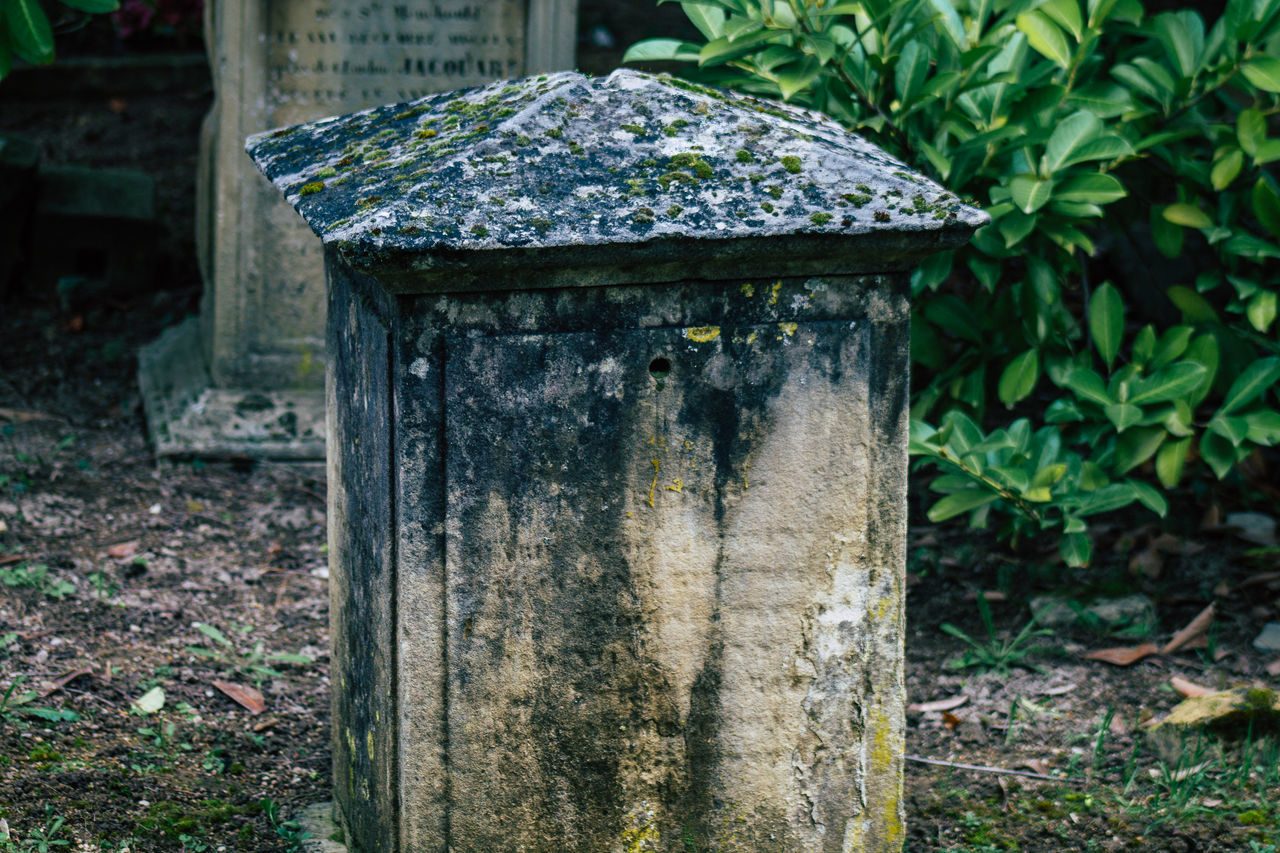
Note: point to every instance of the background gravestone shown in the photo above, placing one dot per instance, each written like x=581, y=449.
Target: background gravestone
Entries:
x=247, y=377
x=617, y=483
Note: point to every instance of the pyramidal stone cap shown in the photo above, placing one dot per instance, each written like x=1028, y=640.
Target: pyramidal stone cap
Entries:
x=569, y=179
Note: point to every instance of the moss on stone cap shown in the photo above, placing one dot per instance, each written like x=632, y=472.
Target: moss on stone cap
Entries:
x=583, y=161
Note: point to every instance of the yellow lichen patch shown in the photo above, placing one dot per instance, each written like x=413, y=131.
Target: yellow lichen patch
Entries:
x=642, y=835
x=702, y=334
x=774, y=292
x=787, y=329
x=748, y=290
x=657, y=464
x=677, y=485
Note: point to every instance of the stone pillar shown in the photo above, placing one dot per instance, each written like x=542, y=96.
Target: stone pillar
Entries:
x=618, y=388
x=247, y=377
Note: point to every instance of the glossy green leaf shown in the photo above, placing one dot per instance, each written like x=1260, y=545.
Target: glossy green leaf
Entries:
x=1263, y=427
x=96, y=7
x=1076, y=550
x=1204, y=350
x=1234, y=430
x=1172, y=344
x=1261, y=310
x=958, y=503
x=1192, y=305
x=1029, y=193
x=1068, y=138
x=1188, y=215
x=1066, y=14
x=1182, y=34
x=1093, y=187
x=1252, y=382
x=1019, y=378
x=1218, y=453
x=1266, y=206
x=722, y=50
x=1016, y=227
x=1263, y=72
x=29, y=32
x=1108, y=499
x=708, y=18
x=1167, y=236
x=1045, y=36
x=910, y=73
x=1174, y=381
x=661, y=50
x=1249, y=246
x=1137, y=446
x=1106, y=321
x=1268, y=152
x=1170, y=461
x=1226, y=168
x=6, y=53
x=1251, y=129
x=1088, y=385
x=1149, y=497
x=1144, y=345
x=951, y=23
x=1122, y=415
x=798, y=77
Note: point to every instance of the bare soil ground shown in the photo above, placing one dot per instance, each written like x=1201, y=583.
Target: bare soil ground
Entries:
x=109, y=563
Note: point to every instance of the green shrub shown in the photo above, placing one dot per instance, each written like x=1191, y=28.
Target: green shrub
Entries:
x=1098, y=138
x=25, y=31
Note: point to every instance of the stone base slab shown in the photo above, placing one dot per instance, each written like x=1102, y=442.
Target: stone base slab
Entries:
x=324, y=833
x=188, y=416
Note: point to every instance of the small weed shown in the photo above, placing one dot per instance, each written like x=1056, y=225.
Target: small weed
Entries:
x=289, y=831
x=28, y=575
x=14, y=708
x=104, y=587
x=996, y=654
x=42, y=839
x=253, y=663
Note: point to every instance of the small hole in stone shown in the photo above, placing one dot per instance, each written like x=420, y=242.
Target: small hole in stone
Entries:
x=659, y=368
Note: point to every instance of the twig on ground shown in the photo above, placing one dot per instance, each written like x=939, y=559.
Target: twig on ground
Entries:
x=981, y=768
x=15, y=558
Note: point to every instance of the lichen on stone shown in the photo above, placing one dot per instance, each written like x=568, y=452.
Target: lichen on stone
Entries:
x=704, y=156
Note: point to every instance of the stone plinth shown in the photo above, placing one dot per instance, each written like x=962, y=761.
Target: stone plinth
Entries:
x=617, y=396
x=247, y=379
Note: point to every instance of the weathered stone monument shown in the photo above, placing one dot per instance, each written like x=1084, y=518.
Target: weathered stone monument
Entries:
x=247, y=377
x=617, y=396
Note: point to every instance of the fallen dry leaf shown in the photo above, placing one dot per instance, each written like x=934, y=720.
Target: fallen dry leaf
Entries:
x=1123, y=655
x=1188, y=688
x=19, y=416
x=1259, y=580
x=1273, y=668
x=263, y=725
x=1195, y=628
x=246, y=697
x=992, y=595
x=1222, y=590
x=1035, y=765
x=938, y=704
x=123, y=549
x=1148, y=562
x=1060, y=690
x=950, y=720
